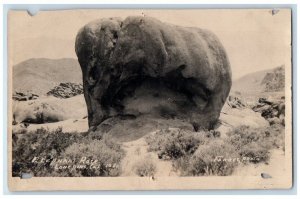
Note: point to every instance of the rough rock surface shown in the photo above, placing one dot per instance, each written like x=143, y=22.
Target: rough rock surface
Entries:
x=272, y=110
x=66, y=90
x=143, y=67
x=237, y=112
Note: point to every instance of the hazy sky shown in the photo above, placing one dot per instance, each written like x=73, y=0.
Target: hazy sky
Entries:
x=254, y=39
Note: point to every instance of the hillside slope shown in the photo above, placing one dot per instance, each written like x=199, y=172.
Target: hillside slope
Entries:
x=272, y=80
x=40, y=75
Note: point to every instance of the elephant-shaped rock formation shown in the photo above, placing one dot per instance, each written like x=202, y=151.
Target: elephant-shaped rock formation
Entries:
x=143, y=68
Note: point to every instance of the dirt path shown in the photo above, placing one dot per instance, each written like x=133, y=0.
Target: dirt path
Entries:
x=136, y=152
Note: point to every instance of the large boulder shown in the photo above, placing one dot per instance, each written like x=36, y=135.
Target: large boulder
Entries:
x=141, y=67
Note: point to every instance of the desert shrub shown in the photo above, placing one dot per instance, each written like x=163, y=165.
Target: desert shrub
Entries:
x=194, y=153
x=254, y=152
x=176, y=143
x=249, y=143
x=242, y=136
x=145, y=167
x=215, y=158
x=105, y=153
x=94, y=135
x=52, y=145
x=39, y=143
x=255, y=143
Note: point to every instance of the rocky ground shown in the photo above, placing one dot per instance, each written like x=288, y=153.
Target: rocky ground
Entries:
x=50, y=112
x=64, y=106
x=272, y=110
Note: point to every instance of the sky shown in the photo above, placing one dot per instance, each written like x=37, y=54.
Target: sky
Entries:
x=254, y=39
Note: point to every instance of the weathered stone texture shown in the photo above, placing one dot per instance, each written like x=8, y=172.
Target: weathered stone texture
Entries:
x=143, y=67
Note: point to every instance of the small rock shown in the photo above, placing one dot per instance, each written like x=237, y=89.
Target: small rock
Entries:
x=265, y=175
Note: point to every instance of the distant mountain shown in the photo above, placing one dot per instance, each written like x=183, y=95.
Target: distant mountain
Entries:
x=41, y=75
x=272, y=80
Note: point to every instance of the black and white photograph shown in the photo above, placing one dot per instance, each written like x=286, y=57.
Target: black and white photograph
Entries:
x=150, y=99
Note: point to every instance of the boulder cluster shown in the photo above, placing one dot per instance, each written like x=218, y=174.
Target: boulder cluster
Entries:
x=20, y=96
x=272, y=110
x=66, y=90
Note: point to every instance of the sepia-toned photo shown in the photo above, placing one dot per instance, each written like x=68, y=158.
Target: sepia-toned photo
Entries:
x=150, y=99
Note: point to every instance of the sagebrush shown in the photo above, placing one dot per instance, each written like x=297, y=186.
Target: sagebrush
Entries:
x=53, y=145
x=206, y=153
